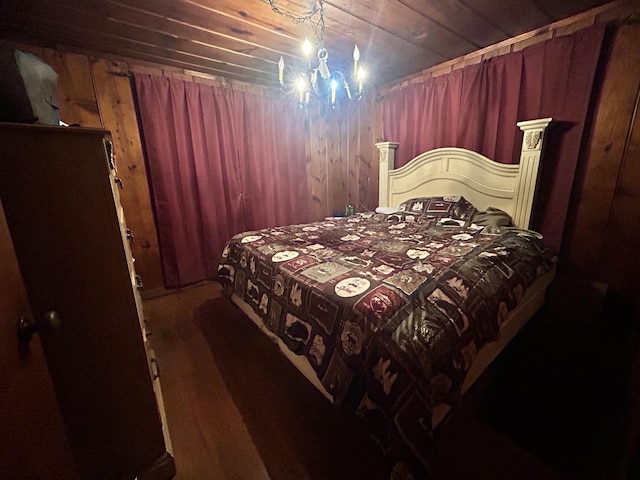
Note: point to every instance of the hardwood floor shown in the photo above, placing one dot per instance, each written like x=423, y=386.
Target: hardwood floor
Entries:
x=211, y=440
x=208, y=434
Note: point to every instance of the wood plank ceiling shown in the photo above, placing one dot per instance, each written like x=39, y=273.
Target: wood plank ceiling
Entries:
x=244, y=39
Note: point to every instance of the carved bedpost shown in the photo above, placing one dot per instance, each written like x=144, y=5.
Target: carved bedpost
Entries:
x=387, y=157
x=530, y=156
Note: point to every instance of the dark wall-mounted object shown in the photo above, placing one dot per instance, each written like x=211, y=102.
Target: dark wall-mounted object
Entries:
x=27, y=88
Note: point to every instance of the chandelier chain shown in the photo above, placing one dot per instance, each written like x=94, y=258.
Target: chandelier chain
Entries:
x=317, y=25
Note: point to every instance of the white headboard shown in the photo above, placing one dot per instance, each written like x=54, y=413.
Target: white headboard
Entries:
x=457, y=171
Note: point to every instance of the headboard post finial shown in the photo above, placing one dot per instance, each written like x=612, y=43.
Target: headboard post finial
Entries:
x=387, y=157
x=530, y=155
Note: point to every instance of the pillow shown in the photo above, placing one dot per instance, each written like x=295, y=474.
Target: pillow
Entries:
x=408, y=217
x=456, y=207
x=492, y=217
x=387, y=210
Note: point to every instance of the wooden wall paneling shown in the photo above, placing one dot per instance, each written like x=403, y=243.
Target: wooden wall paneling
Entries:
x=619, y=260
x=336, y=134
x=75, y=92
x=117, y=110
x=598, y=171
x=321, y=138
x=365, y=154
x=340, y=146
x=328, y=165
x=372, y=152
x=317, y=169
x=351, y=148
x=359, y=171
x=378, y=136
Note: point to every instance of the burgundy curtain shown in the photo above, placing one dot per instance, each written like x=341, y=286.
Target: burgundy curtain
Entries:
x=477, y=107
x=220, y=162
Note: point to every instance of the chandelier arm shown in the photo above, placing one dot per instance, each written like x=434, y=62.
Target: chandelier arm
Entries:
x=288, y=91
x=314, y=81
x=345, y=83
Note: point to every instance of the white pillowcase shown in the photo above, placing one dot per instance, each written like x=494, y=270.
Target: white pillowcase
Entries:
x=387, y=210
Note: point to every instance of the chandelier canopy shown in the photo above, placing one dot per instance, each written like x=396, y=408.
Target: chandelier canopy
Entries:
x=317, y=81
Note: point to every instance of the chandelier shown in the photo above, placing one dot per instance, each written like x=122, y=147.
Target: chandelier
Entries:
x=317, y=80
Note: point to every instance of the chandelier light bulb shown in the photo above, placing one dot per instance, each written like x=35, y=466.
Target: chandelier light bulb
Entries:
x=281, y=70
x=303, y=90
x=301, y=84
x=307, y=48
x=356, y=57
x=334, y=86
x=361, y=75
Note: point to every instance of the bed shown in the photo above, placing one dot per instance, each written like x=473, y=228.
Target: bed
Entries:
x=393, y=314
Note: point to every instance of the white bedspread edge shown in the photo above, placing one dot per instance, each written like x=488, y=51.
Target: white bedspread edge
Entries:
x=299, y=361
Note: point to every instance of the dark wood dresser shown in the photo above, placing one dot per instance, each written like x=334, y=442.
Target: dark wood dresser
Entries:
x=59, y=188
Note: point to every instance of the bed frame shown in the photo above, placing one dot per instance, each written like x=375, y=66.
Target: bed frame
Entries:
x=456, y=171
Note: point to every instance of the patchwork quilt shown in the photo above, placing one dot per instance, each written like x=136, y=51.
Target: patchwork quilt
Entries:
x=388, y=309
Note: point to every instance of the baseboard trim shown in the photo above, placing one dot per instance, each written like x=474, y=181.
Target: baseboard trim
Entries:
x=160, y=292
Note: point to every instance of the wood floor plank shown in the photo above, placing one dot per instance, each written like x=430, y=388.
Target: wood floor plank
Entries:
x=209, y=437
